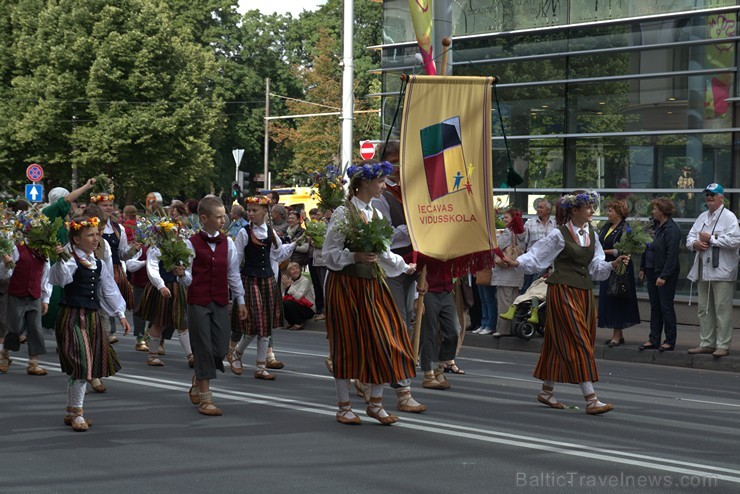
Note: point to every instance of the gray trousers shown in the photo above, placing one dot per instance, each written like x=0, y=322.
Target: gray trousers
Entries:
x=3, y=306
x=715, y=313
x=25, y=313
x=402, y=289
x=210, y=329
x=139, y=323
x=440, y=329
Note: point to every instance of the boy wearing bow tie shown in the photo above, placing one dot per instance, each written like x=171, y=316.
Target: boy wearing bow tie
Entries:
x=213, y=272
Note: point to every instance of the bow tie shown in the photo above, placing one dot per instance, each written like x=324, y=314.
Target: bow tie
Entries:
x=211, y=240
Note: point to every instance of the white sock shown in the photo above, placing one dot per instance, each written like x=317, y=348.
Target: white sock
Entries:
x=76, y=393
x=376, y=391
x=184, y=338
x=262, y=343
x=343, y=386
x=244, y=343
x=587, y=388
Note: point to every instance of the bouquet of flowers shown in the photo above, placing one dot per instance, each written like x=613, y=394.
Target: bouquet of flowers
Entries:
x=316, y=232
x=6, y=248
x=172, y=249
x=7, y=235
x=330, y=187
x=40, y=234
x=361, y=235
x=634, y=240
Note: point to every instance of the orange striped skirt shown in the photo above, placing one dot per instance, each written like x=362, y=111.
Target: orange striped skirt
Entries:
x=570, y=333
x=367, y=337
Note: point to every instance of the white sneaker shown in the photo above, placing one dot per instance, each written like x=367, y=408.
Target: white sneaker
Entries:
x=477, y=331
x=486, y=331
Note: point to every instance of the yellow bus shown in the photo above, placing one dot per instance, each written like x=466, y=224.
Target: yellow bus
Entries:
x=296, y=197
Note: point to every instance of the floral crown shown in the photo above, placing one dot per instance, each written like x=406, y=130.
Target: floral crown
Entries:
x=261, y=200
x=94, y=198
x=577, y=200
x=370, y=171
x=78, y=225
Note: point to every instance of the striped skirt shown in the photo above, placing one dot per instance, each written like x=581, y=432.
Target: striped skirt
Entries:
x=367, y=337
x=84, y=351
x=164, y=312
x=264, y=307
x=124, y=286
x=570, y=332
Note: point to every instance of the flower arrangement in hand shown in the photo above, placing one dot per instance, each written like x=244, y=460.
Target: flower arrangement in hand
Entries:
x=166, y=235
x=40, y=234
x=316, y=232
x=330, y=186
x=360, y=235
x=634, y=240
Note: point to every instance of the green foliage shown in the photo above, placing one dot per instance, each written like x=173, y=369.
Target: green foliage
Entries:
x=360, y=235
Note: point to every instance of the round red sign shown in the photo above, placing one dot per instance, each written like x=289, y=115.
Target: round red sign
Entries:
x=34, y=172
x=367, y=150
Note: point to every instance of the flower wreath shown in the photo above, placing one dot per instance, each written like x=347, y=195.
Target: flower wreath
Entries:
x=95, y=198
x=261, y=200
x=370, y=171
x=578, y=200
x=88, y=223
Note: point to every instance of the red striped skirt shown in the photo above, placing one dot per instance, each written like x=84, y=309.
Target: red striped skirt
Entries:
x=164, y=312
x=124, y=286
x=367, y=337
x=84, y=351
x=264, y=307
x=570, y=332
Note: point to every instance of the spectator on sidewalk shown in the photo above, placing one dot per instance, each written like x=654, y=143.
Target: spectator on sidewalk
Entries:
x=536, y=229
x=715, y=237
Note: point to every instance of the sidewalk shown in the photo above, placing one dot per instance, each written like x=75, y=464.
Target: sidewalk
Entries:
x=688, y=337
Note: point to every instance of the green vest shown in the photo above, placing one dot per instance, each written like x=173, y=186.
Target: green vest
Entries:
x=571, y=265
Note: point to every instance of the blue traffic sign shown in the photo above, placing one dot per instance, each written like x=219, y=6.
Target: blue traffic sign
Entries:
x=34, y=192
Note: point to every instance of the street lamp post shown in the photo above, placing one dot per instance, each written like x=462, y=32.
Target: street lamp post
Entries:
x=74, y=165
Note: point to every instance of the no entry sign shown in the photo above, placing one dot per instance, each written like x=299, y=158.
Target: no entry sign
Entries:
x=367, y=150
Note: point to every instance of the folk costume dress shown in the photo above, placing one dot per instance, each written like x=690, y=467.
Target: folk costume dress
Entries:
x=89, y=288
x=159, y=311
x=368, y=340
x=258, y=255
x=116, y=237
x=570, y=327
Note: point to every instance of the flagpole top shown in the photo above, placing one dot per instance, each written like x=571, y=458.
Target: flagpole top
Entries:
x=446, y=41
x=404, y=77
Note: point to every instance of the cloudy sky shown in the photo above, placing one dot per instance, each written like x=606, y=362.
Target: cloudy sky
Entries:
x=295, y=7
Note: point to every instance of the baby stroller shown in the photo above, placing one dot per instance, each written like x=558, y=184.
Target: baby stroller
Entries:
x=527, y=313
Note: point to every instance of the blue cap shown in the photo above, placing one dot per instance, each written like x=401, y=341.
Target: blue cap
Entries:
x=715, y=189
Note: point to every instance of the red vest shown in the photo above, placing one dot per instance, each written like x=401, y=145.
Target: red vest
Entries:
x=210, y=273
x=139, y=278
x=26, y=279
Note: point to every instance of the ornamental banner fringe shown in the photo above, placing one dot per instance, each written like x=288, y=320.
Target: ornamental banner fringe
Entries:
x=446, y=171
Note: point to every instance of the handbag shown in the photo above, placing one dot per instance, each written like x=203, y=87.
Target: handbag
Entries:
x=483, y=277
x=619, y=285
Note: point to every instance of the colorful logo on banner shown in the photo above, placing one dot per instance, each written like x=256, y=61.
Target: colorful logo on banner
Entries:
x=444, y=159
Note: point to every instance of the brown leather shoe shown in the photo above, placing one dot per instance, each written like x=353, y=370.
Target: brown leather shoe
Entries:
x=112, y=339
x=235, y=362
x=273, y=363
x=344, y=410
x=550, y=401
x=34, y=369
x=439, y=375
x=374, y=409
x=72, y=413
x=193, y=392
x=207, y=407
x=407, y=403
x=721, y=352
x=191, y=361
x=701, y=349
x=263, y=374
x=141, y=346
x=98, y=386
x=432, y=383
x=598, y=410
x=153, y=360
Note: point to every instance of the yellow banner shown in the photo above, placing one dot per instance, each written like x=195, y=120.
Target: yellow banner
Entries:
x=446, y=166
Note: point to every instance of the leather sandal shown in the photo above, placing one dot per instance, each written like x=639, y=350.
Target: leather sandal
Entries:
x=77, y=420
x=273, y=363
x=375, y=407
x=452, y=368
x=206, y=406
x=235, y=362
x=141, y=346
x=194, y=392
x=97, y=385
x=34, y=369
x=263, y=374
x=72, y=413
x=595, y=407
x=153, y=360
x=344, y=410
x=191, y=361
x=546, y=399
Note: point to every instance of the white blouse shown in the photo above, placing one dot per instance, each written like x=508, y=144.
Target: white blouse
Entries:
x=337, y=257
x=543, y=253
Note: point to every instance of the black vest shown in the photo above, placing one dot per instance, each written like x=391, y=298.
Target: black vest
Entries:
x=83, y=291
x=114, y=240
x=257, y=257
x=167, y=276
x=397, y=219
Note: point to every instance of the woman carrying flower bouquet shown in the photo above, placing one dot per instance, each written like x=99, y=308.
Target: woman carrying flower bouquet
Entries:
x=367, y=337
x=260, y=248
x=164, y=302
x=570, y=327
x=84, y=350
x=616, y=312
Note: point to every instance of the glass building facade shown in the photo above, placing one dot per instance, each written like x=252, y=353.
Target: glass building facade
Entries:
x=636, y=99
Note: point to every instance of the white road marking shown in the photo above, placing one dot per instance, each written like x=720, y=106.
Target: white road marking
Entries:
x=457, y=431
x=710, y=402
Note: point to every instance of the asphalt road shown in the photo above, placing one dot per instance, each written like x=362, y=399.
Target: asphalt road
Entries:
x=673, y=429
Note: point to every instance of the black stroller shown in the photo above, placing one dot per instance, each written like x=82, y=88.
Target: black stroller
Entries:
x=527, y=313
